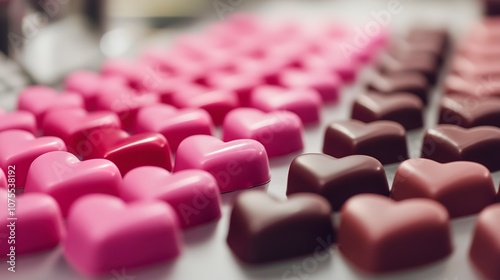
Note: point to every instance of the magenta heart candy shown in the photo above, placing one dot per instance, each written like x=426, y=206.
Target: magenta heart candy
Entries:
x=73, y=125
x=193, y=194
x=36, y=223
x=306, y=103
x=280, y=132
x=64, y=177
x=175, y=124
x=18, y=149
x=39, y=99
x=237, y=165
x=327, y=85
x=18, y=120
x=104, y=234
x=3, y=180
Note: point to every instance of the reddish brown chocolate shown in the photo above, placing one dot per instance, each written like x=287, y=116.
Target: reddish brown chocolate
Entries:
x=383, y=140
x=489, y=87
x=476, y=69
x=463, y=187
x=423, y=63
x=336, y=179
x=421, y=40
x=404, y=108
x=447, y=143
x=485, y=248
x=466, y=111
x=379, y=235
x=263, y=229
x=398, y=82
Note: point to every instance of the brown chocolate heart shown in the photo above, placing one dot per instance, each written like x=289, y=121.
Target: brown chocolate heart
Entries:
x=336, y=179
x=379, y=235
x=383, y=140
x=463, y=187
x=467, y=111
x=396, y=82
x=447, y=143
x=485, y=248
x=264, y=229
x=422, y=63
x=403, y=108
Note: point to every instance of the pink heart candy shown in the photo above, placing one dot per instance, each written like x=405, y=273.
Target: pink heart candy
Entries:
x=242, y=84
x=332, y=63
x=125, y=103
x=193, y=194
x=19, y=148
x=73, y=125
x=88, y=85
x=64, y=177
x=237, y=165
x=135, y=73
x=37, y=223
x=326, y=84
x=280, y=132
x=40, y=99
x=217, y=103
x=104, y=234
x=174, y=124
x=3, y=180
x=306, y=103
x=18, y=120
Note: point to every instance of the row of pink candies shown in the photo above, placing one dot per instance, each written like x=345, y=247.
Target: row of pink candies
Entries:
x=115, y=121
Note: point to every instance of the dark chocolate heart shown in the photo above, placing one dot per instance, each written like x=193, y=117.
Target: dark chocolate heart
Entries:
x=379, y=235
x=403, y=108
x=467, y=111
x=446, y=143
x=264, y=229
x=336, y=179
x=463, y=187
x=383, y=140
x=394, y=82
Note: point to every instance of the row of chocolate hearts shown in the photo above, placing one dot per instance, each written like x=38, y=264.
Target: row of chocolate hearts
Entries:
x=386, y=141
x=462, y=187
x=375, y=234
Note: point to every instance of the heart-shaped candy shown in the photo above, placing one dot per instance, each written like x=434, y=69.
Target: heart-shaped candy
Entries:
x=336, y=179
x=383, y=140
x=18, y=120
x=104, y=234
x=485, y=248
x=19, y=148
x=306, y=103
x=264, y=229
x=127, y=151
x=403, y=108
x=446, y=143
x=73, y=125
x=237, y=165
x=193, y=194
x=40, y=99
x=29, y=223
x=175, y=124
x=280, y=132
x=463, y=187
x=3, y=180
x=326, y=84
x=378, y=235
x=467, y=111
x=64, y=177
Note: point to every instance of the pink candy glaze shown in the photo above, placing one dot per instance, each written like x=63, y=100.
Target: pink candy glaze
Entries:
x=280, y=132
x=73, y=125
x=125, y=103
x=18, y=120
x=174, y=124
x=3, y=180
x=39, y=225
x=135, y=73
x=326, y=84
x=193, y=194
x=237, y=165
x=88, y=84
x=105, y=234
x=217, y=103
x=39, y=99
x=20, y=148
x=128, y=151
x=241, y=84
x=64, y=177
x=332, y=63
x=306, y=103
